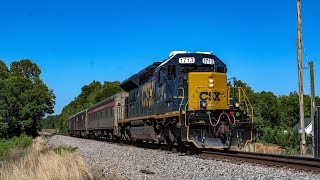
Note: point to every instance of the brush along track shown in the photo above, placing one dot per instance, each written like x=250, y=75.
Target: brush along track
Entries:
x=299, y=163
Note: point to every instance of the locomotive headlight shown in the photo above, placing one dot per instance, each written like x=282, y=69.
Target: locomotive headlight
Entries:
x=237, y=104
x=203, y=104
x=210, y=81
x=210, y=85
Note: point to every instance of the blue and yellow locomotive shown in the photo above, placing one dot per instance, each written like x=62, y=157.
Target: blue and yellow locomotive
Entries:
x=183, y=101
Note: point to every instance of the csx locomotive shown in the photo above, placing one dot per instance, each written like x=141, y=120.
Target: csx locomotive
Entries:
x=184, y=101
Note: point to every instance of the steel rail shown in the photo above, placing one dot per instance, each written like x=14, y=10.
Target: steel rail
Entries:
x=293, y=162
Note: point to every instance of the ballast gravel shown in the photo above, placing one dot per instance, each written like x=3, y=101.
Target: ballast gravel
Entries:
x=116, y=161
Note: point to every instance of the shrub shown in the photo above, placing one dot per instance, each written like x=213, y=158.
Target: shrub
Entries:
x=286, y=138
x=6, y=146
x=65, y=149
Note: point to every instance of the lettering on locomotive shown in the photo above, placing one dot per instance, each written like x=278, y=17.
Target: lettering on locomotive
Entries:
x=208, y=96
x=187, y=60
x=208, y=61
x=147, y=94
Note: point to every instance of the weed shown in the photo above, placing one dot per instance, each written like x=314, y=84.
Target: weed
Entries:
x=65, y=149
x=6, y=146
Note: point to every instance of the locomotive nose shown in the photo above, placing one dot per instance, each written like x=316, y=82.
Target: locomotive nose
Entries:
x=207, y=91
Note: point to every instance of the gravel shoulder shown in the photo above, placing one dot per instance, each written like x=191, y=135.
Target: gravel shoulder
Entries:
x=116, y=161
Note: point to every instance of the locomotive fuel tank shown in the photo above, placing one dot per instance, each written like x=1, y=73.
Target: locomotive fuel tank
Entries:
x=144, y=133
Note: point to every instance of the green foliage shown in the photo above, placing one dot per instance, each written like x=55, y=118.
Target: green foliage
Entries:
x=4, y=71
x=90, y=95
x=24, y=99
x=3, y=129
x=65, y=149
x=25, y=68
x=50, y=122
x=287, y=138
x=280, y=136
x=20, y=142
x=266, y=108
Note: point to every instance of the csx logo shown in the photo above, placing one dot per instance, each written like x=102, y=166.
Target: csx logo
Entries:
x=208, y=96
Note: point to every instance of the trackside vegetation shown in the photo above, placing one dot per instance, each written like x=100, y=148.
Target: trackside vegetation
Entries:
x=24, y=99
x=12, y=144
x=41, y=162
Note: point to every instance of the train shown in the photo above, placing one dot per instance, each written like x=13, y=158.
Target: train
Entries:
x=185, y=100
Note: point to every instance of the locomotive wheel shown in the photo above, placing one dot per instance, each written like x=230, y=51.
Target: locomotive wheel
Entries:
x=190, y=150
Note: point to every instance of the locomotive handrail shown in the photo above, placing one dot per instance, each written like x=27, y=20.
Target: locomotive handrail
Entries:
x=248, y=105
x=251, y=107
x=185, y=116
x=181, y=103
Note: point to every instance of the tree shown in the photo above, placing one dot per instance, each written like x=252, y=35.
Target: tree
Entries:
x=4, y=71
x=266, y=109
x=289, y=109
x=50, y=122
x=108, y=89
x=25, y=99
x=25, y=68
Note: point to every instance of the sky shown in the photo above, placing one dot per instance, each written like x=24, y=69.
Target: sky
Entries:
x=76, y=42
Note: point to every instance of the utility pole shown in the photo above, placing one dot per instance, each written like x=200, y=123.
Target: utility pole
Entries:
x=312, y=102
x=299, y=45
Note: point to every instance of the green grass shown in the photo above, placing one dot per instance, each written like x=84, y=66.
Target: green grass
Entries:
x=8, y=145
x=65, y=149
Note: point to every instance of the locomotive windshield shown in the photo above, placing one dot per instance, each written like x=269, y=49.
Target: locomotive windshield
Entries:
x=190, y=68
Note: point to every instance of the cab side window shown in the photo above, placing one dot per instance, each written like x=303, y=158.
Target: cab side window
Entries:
x=172, y=72
x=221, y=69
x=160, y=75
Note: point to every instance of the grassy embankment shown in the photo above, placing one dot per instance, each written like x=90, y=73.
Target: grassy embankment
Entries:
x=38, y=161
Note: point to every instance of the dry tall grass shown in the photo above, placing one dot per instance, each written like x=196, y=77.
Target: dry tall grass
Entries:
x=39, y=162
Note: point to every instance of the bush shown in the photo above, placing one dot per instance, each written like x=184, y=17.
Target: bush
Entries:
x=286, y=138
x=65, y=149
x=23, y=141
x=6, y=146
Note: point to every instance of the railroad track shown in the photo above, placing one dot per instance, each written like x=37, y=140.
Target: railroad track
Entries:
x=293, y=162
